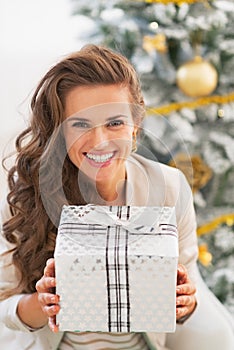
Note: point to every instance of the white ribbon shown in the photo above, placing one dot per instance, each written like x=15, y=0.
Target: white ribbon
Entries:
x=143, y=219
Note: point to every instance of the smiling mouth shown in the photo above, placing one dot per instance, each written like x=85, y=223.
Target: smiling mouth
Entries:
x=99, y=158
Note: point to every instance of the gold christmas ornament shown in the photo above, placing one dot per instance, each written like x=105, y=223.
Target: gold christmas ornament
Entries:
x=197, y=78
x=156, y=42
x=205, y=257
x=194, y=168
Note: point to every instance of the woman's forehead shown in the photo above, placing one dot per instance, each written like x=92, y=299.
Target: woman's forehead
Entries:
x=103, y=111
x=83, y=97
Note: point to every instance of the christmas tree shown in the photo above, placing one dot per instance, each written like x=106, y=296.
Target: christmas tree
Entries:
x=183, y=52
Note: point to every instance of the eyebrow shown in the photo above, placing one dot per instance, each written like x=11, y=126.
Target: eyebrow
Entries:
x=88, y=120
x=77, y=118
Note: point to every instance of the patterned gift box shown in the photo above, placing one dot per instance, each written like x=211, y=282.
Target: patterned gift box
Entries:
x=116, y=268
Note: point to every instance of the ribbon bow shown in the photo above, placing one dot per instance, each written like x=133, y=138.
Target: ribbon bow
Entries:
x=143, y=219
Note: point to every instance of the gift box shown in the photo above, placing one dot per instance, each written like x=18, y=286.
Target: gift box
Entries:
x=116, y=268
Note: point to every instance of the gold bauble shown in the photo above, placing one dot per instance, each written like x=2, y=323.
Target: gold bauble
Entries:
x=156, y=42
x=205, y=257
x=197, y=78
x=197, y=172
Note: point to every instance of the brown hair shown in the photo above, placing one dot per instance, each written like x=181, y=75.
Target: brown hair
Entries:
x=38, y=147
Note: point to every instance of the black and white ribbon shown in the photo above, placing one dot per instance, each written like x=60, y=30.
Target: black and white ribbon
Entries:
x=117, y=278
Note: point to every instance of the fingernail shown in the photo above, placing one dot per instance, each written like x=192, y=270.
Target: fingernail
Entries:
x=54, y=308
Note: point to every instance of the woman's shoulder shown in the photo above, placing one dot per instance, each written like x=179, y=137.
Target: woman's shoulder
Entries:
x=156, y=168
x=162, y=179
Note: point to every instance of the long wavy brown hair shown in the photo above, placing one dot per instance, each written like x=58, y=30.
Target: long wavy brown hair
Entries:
x=37, y=188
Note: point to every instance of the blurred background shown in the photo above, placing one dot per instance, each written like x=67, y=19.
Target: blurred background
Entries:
x=33, y=36
x=183, y=52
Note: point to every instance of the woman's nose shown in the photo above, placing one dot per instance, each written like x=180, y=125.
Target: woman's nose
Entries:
x=100, y=137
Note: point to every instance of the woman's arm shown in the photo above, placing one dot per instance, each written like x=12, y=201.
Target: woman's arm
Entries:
x=33, y=309
x=30, y=312
x=37, y=309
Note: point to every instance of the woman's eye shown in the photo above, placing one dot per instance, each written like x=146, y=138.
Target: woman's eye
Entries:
x=80, y=124
x=115, y=123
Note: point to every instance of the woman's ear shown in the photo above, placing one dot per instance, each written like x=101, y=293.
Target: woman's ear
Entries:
x=134, y=133
x=134, y=139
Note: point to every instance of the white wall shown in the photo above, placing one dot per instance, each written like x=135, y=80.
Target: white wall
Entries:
x=33, y=35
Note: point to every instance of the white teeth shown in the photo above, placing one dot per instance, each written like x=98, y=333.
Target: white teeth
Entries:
x=100, y=158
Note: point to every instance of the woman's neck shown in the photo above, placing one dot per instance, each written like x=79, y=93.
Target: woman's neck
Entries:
x=113, y=195
x=108, y=193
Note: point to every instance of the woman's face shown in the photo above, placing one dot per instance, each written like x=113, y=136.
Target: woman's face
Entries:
x=98, y=130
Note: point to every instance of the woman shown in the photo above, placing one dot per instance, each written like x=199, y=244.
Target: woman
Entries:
x=86, y=113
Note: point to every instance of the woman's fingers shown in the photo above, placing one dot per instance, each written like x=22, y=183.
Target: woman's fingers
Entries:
x=182, y=275
x=52, y=324
x=185, y=300
x=187, y=289
x=49, y=303
x=47, y=299
x=49, y=270
x=45, y=284
x=185, y=305
x=185, y=293
x=51, y=310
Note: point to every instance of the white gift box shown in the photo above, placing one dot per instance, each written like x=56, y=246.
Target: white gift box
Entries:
x=116, y=268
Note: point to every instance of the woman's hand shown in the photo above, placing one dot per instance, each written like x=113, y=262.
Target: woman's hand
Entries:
x=185, y=294
x=48, y=300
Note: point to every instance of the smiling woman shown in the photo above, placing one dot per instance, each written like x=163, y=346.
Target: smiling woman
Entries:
x=86, y=112
x=99, y=138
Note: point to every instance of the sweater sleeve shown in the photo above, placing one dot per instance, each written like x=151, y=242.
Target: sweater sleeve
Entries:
x=8, y=274
x=8, y=278
x=187, y=227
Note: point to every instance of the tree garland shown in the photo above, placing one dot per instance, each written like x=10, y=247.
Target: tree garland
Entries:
x=227, y=219
x=205, y=257
x=176, y=106
x=176, y=2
